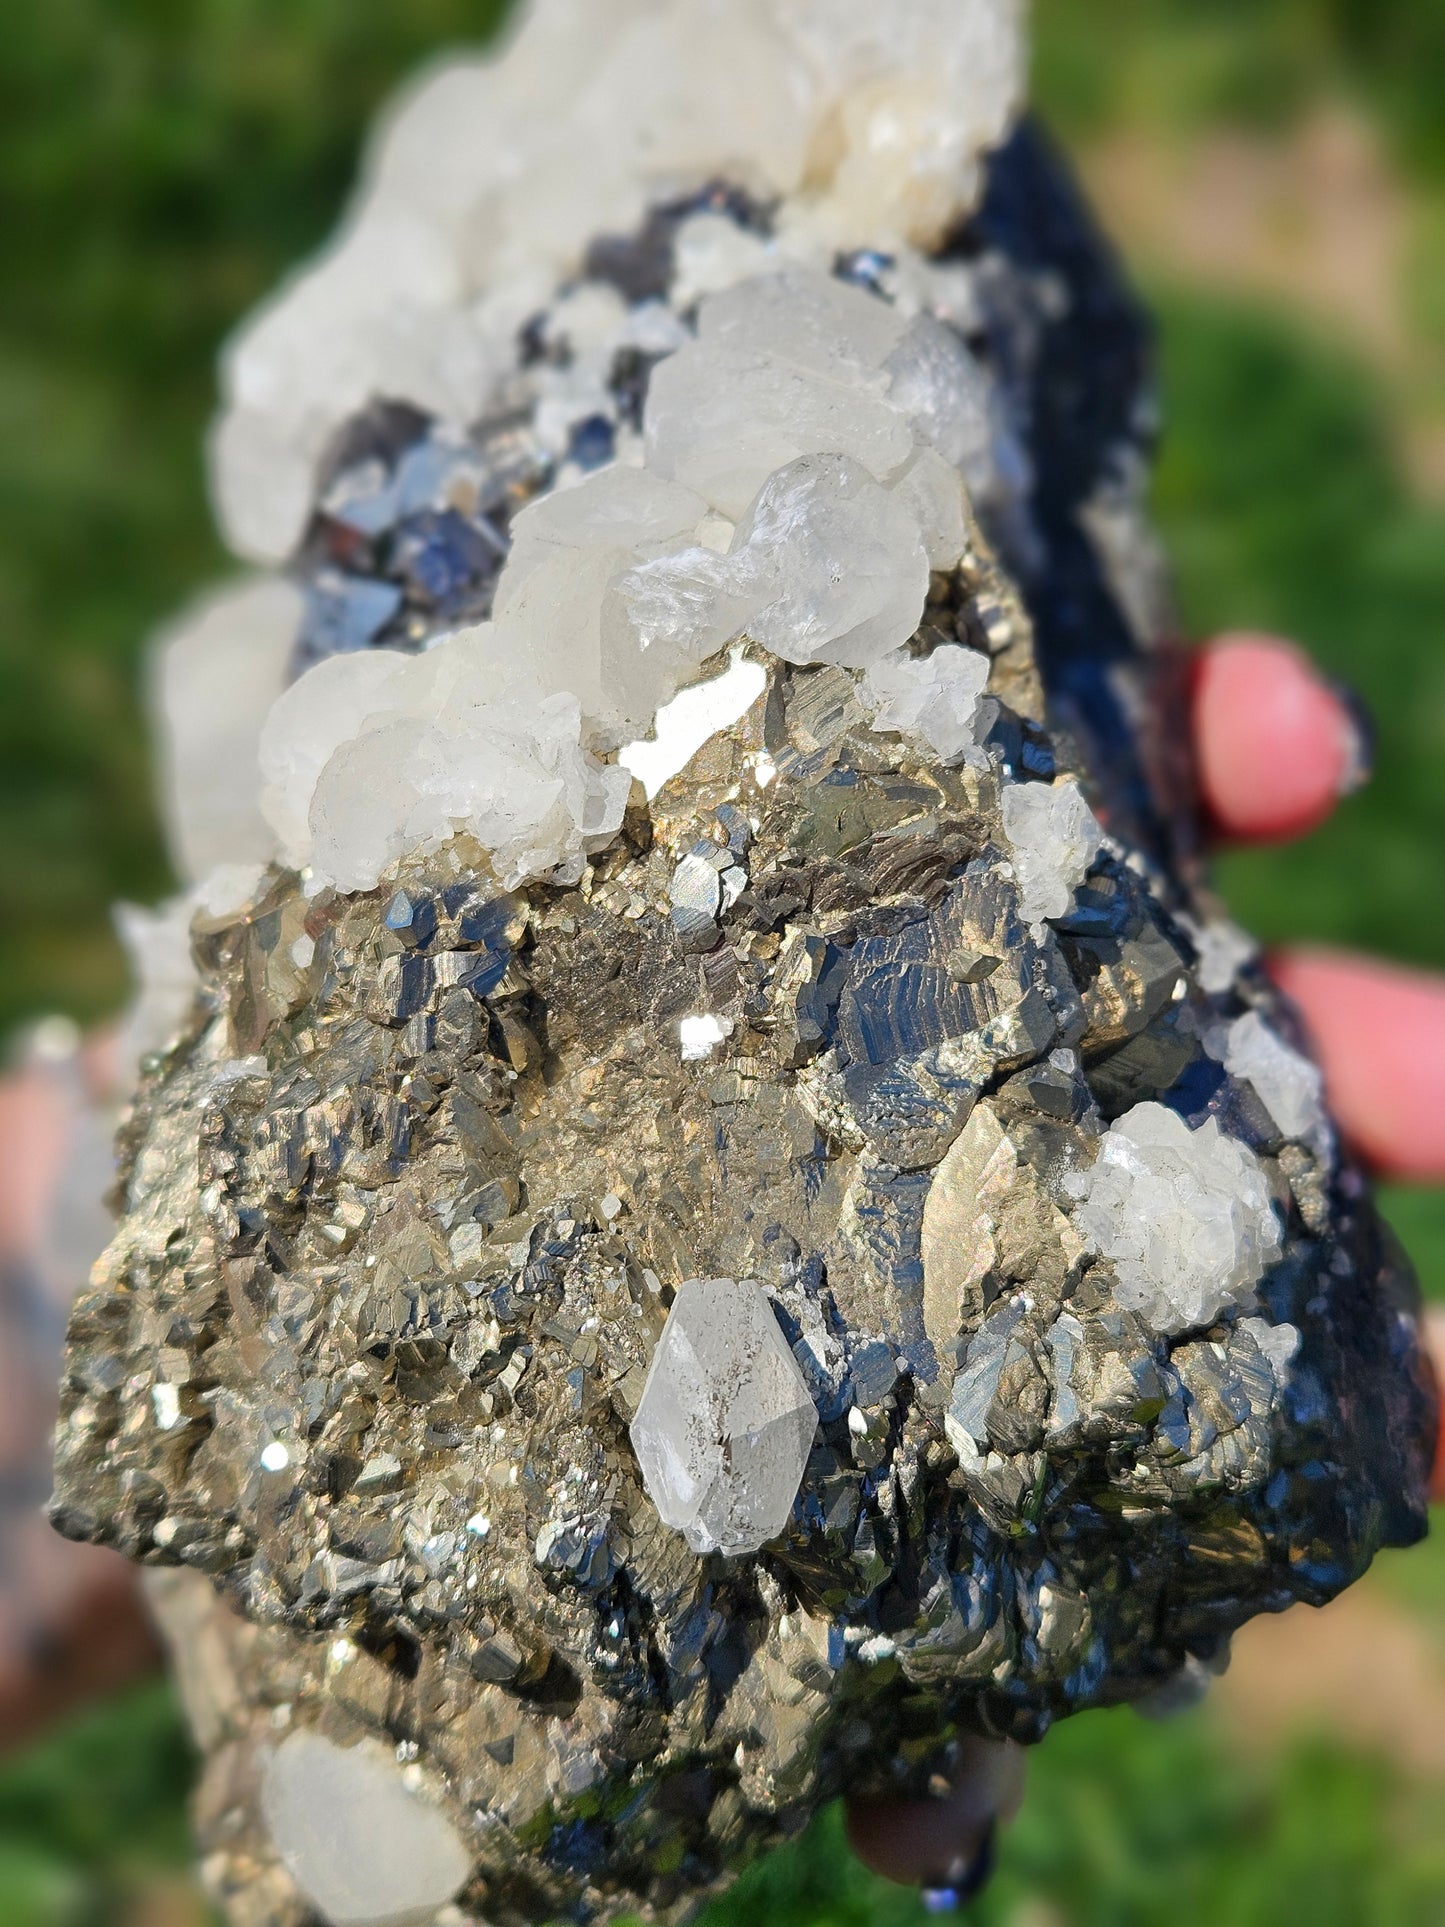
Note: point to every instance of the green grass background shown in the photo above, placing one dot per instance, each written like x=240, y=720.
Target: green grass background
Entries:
x=161, y=162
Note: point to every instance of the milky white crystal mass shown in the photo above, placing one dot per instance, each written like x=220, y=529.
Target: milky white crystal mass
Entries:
x=1183, y=1213
x=726, y=1421
x=1289, y=1086
x=833, y=566
x=363, y=1848
x=936, y=698
x=491, y=177
x=554, y=610
x=215, y=675
x=1054, y=836
x=373, y=756
x=619, y=590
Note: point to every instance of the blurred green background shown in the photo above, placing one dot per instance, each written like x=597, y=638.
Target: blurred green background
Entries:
x=1275, y=171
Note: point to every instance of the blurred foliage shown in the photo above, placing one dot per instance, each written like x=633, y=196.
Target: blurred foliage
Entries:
x=1255, y=62
x=88, y=1817
x=161, y=163
x=1131, y=1824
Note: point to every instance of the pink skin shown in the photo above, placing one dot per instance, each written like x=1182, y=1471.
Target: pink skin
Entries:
x=1276, y=749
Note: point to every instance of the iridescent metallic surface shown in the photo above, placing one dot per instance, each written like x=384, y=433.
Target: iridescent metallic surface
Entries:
x=408, y=1205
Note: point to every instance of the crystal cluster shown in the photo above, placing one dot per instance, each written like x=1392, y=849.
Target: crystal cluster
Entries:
x=711, y=1206
x=492, y=179
x=1184, y=1214
x=796, y=481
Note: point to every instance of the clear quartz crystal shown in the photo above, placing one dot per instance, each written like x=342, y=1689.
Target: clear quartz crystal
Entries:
x=726, y=1421
x=835, y=565
x=1184, y=1214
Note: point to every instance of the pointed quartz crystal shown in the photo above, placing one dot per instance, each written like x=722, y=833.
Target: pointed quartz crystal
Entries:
x=726, y=1422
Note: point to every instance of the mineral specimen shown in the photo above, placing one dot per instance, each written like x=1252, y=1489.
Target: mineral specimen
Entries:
x=711, y=1207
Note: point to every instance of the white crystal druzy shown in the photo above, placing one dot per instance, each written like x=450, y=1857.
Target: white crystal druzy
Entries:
x=363, y=1848
x=491, y=177
x=807, y=447
x=1054, y=836
x=1184, y=1215
x=726, y=1421
x=790, y=492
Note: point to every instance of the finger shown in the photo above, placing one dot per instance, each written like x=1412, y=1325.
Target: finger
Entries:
x=1276, y=745
x=1379, y=1034
x=944, y=1845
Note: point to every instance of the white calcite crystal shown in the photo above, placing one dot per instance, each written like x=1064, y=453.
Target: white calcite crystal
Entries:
x=938, y=698
x=557, y=611
x=1184, y=1214
x=726, y=1421
x=215, y=676
x=809, y=410
x=834, y=567
x=371, y=757
x=1224, y=950
x=364, y=1849
x=491, y=178
x=1288, y=1085
x=784, y=366
x=1054, y=836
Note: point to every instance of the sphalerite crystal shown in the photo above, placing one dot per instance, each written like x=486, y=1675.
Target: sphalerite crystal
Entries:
x=710, y=1206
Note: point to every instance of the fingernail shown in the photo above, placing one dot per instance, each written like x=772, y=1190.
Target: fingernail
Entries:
x=964, y=1881
x=1358, y=729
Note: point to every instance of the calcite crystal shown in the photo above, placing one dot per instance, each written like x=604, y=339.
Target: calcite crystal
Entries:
x=711, y=1207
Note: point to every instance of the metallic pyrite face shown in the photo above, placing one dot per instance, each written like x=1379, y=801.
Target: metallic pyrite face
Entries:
x=719, y=1209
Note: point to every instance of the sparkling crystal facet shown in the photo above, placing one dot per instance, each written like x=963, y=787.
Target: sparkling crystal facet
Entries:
x=726, y=1420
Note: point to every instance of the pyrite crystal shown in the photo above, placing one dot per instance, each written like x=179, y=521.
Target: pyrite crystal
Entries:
x=719, y=1209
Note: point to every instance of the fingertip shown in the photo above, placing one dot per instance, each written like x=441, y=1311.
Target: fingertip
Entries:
x=941, y=1844
x=1276, y=744
x=1379, y=1034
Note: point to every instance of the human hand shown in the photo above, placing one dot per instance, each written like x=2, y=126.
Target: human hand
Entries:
x=1276, y=748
